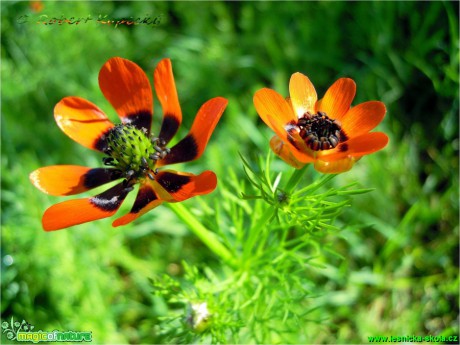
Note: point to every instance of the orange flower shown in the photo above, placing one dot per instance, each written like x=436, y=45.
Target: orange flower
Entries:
x=133, y=153
x=328, y=132
x=36, y=6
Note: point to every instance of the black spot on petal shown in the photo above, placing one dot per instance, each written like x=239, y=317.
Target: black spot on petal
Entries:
x=172, y=182
x=343, y=136
x=168, y=127
x=99, y=176
x=144, y=197
x=111, y=199
x=101, y=142
x=343, y=147
x=184, y=151
x=140, y=119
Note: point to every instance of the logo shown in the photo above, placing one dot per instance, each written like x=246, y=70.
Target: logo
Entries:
x=23, y=332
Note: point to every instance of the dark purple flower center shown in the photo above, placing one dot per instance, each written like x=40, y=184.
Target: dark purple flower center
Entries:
x=318, y=131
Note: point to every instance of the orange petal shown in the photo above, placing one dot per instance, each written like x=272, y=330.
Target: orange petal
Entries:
x=295, y=144
x=146, y=200
x=318, y=105
x=356, y=147
x=338, y=98
x=283, y=151
x=194, y=144
x=126, y=86
x=277, y=113
x=336, y=167
x=82, y=121
x=274, y=110
x=303, y=94
x=70, y=179
x=182, y=186
x=363, y=118
x=74, y=212
x=165, y=88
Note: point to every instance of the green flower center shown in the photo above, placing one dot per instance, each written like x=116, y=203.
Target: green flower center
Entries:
x=319, y=132
x=133, y=152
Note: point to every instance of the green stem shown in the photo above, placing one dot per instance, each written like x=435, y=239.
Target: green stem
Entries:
x=256, y=229
x=295, y=177
x=206, y=236
x=255, y=233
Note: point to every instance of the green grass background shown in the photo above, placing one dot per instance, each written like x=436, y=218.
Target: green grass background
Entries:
x=399, y=274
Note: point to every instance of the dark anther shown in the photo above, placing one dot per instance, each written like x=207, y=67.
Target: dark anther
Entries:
x=151, y=176
x=333, y=140
x=108, y=161
x=129, y=174
x=302, y=122
x=144, y=162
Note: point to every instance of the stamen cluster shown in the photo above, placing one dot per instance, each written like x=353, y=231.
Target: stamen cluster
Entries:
x=133, y=152
x=318, y=131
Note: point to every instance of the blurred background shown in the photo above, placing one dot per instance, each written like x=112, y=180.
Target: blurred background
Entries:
x=400, y=244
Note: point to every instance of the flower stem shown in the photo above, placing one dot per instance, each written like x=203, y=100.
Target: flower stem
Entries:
x=295, y=178
x=255, y=233
x=206, y=236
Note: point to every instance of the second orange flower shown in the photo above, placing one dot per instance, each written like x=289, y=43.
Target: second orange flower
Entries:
x=329, y=132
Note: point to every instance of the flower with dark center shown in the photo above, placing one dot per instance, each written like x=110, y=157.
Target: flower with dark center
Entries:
x=133, y=155
x=329, y=132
